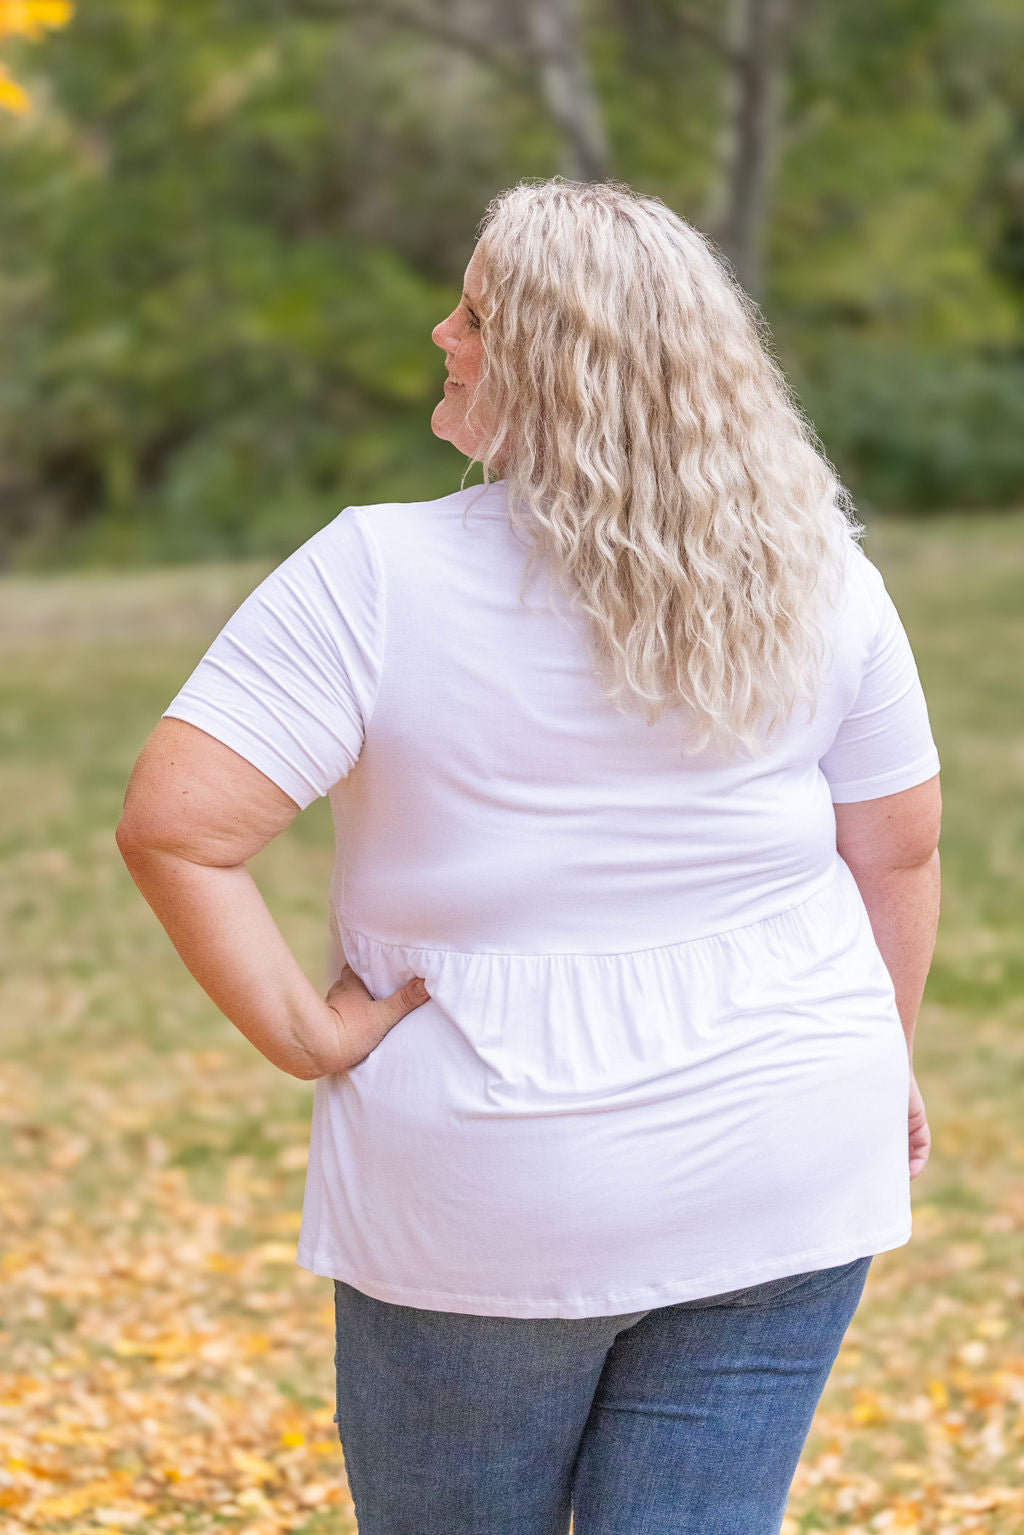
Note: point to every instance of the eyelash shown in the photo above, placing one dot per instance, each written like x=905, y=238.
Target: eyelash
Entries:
x=474, y=323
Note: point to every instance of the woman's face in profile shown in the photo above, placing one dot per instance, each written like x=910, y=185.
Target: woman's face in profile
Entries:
x=459, y=337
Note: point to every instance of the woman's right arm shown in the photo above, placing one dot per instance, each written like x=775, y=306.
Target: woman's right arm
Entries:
x=195, y=810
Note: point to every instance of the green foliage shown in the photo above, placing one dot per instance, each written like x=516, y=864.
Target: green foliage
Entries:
x=893, y=289
x=918, y=430
x=227, y=230
x=207, y=359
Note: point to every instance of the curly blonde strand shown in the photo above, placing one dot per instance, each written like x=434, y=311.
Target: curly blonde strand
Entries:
x=654, y=455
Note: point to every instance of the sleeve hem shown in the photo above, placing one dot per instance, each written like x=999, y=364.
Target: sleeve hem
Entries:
x=886, y=783
x=255, y=751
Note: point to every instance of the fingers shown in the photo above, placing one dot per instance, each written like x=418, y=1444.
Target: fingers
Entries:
x=403, y=1001
x=363, y=1021
x=918, y=1133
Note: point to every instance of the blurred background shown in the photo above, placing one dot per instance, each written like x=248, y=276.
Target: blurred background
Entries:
x=227, y=228
x=226, y=231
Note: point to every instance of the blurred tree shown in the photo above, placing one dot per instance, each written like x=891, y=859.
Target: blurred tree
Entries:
x=228, y=227
x=901, y=323
x=556, y=43
x=533, y=46
x=755, y=53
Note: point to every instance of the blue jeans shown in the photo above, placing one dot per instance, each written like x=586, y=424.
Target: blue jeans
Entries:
x=682, y=1420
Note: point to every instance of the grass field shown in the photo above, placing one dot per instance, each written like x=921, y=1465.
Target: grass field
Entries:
x=167, y=1366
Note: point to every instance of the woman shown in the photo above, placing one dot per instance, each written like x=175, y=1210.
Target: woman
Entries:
x=635, y=896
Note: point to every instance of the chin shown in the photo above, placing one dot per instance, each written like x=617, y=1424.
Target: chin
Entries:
x=447, y=431
x=455, y=437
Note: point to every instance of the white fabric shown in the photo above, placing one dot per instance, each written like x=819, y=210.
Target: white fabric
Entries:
x=662, y=1057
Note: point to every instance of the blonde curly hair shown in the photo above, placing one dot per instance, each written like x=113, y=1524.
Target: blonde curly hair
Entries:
x=653, y=453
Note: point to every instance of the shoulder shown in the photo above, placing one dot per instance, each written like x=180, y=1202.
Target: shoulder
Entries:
x=349, y=554
x=864, y=591
x=386, y=515
x=864, y=573
x=365, y=541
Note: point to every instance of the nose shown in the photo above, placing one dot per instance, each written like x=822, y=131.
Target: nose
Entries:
x=440, y=336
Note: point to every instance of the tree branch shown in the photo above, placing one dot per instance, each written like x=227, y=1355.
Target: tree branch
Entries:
x=428, y=24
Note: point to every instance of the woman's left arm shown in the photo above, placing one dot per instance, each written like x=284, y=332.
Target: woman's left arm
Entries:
x=891, y=845
x=194, y=811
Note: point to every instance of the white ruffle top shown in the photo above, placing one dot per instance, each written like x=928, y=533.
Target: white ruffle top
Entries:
x=661, y=1057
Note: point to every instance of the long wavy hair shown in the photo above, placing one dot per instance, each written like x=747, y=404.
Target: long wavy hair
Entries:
x=654, y=456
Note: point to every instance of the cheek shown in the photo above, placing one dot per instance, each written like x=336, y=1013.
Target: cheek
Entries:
x=471, y=364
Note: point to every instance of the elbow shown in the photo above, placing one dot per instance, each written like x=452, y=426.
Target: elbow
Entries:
x=926, y=852
x=931, y=828
x=909, y=860
x=897, y=831
x=130, y=838
x=142, y=829
x=124, y=838
x=306, y=1073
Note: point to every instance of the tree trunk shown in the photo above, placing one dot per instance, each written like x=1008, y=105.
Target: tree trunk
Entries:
x=760, y=32
x=547, y=57
x=555, y=39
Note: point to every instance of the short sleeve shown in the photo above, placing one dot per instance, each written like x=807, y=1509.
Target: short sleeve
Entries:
x=291, y=680
x=884, y=744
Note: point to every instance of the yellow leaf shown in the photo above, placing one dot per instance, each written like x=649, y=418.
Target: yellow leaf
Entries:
x=868, y=1409
x=313, y=1494
x=17, y=1258
x=223, y=1263
x=26, y=19
x=12, y=97
x=30, y=18
x=253, y=1500
x=118, y=1514
x=253, y=1466
x=908, y=1469
x=276, y=1252
x=289, y=1220
x=938, y=1393
x=69, y=1505
x=291, y=1439
x=171, y=1345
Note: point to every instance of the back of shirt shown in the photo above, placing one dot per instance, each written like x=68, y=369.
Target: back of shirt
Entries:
x=488, y=798
x=661, y=1056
